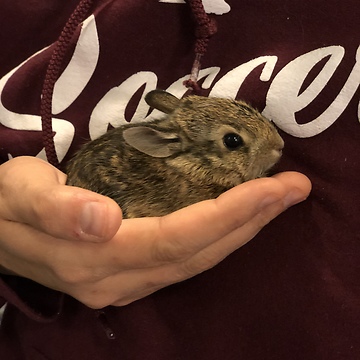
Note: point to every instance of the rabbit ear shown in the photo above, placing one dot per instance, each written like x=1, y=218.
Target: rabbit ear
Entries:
x=162, y=100
x=152, y=142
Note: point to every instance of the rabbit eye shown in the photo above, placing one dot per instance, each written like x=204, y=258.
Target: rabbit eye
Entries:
x=233, y=141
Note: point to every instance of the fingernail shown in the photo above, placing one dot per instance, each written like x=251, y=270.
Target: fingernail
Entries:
x=91, y=220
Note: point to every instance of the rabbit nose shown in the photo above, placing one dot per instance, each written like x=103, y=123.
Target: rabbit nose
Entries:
x=278, y=146
x=276, y=154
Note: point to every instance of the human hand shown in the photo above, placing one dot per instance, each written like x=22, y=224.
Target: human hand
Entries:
x=33, y=199
x=145, y=255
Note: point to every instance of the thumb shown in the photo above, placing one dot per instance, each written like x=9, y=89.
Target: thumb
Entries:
x=34, y=192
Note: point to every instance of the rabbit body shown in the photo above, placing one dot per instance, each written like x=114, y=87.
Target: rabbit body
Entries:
x=201, y=148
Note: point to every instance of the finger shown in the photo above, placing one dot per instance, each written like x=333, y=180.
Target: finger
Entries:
x=184, y=233
x=296, y=188
x=125, y=287
x=151, y=242
x=52, y=262
x=33, y=192
x=143, y=282
x=210, y=256
x=90, y=272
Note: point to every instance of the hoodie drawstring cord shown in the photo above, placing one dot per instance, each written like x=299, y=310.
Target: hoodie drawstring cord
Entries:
x=53, y=73
x=205, y=28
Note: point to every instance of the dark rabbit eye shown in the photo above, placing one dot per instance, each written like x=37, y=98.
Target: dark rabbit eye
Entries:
x=233, y=141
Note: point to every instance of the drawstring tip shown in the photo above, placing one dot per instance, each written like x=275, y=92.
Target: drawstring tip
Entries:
x=193, y=85
x=192, y=82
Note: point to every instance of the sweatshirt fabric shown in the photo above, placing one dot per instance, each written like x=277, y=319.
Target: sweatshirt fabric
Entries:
x=293, y=292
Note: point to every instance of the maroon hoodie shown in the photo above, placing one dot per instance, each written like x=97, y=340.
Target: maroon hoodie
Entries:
x=291, y=293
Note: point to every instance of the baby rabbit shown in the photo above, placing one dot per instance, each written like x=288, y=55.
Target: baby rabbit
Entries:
x=201, y=148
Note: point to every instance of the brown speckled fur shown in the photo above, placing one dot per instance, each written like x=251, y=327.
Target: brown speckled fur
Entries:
x=200, y=168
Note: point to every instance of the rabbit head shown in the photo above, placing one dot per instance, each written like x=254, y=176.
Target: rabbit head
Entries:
x=210, y=140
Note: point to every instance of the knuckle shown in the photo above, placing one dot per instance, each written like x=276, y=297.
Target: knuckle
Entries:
x=43, y=207
x=269, y=213
x=8, y=179
x=85, y=285
x=200, y=264
x=93, y=301
x=71, y=277
x=79, y=287
x=171, y=253
x=172, y=250
x=98, y=297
